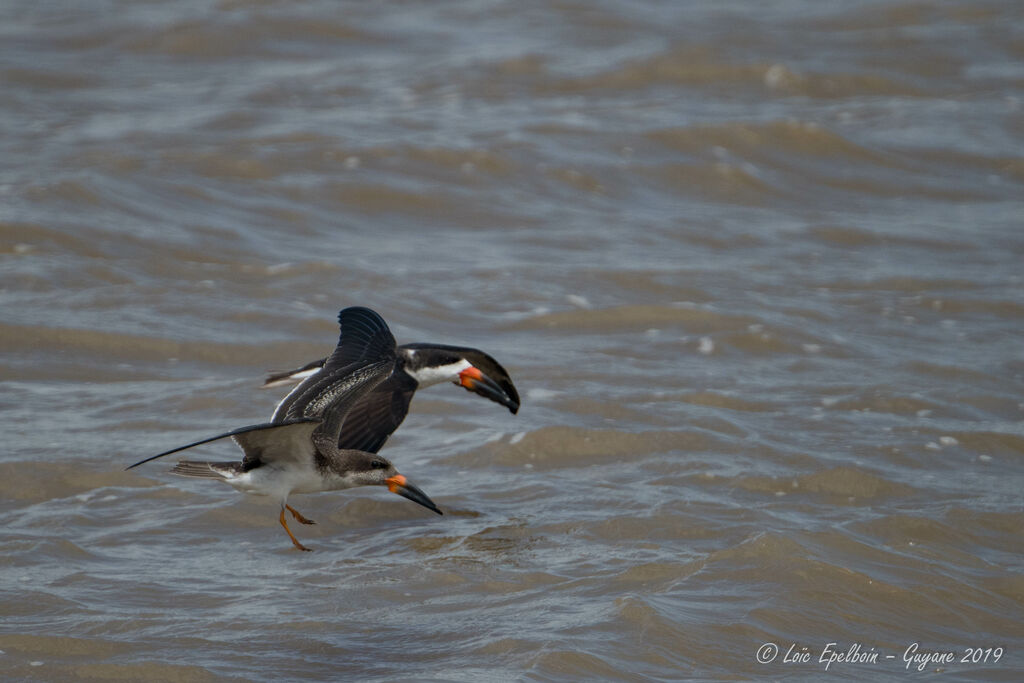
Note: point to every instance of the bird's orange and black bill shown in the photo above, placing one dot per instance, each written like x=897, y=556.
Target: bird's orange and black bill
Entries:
x=400, y=485
x=471, y=378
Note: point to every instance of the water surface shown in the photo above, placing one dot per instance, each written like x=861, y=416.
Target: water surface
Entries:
x=755, y=270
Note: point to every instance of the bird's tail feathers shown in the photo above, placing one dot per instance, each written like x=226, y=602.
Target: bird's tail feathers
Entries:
x=206, y=470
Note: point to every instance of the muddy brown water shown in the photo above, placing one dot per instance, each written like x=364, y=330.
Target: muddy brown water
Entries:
x=756, y=269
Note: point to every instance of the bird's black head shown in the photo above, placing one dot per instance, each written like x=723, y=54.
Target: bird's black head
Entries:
x=367, y=469
x=472, y=369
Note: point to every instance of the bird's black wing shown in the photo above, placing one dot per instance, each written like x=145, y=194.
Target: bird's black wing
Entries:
x=378, y=414
x=373, y=419
x=261, y=434
x=365, y=357
x=274, y=444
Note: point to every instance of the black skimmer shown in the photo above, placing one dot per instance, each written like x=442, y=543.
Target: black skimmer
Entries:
x=299, y=453
x=379, y=412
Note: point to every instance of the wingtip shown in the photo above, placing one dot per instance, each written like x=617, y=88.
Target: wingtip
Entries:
x=136, y=464
x=364, y=334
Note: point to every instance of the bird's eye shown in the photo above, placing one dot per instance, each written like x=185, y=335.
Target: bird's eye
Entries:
x=378, y=464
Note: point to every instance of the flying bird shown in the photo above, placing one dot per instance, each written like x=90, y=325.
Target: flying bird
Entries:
x=298, y=451
x=379, y=412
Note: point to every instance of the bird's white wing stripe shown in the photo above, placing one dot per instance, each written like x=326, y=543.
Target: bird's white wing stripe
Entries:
x=300, y=387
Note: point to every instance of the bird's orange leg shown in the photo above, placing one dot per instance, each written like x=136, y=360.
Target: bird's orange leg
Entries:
x=298, y=545
x=298, y=515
